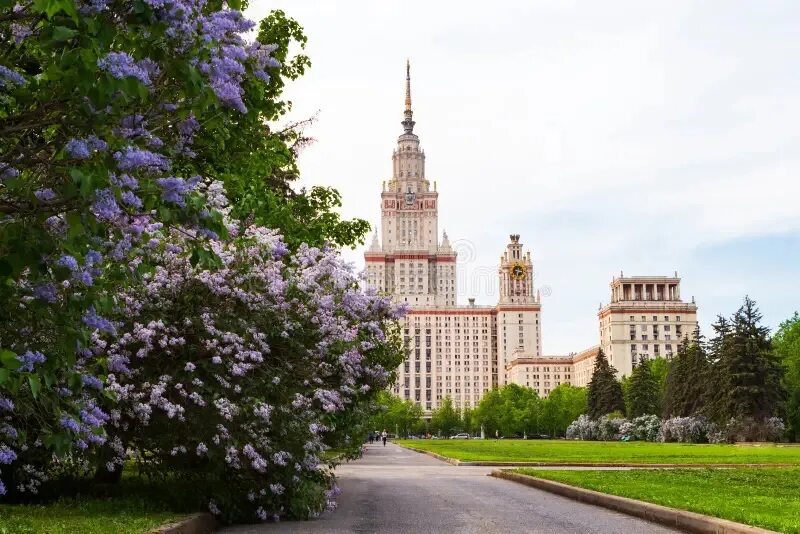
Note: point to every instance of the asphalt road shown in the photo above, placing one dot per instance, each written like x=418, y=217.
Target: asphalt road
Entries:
x=394, y=490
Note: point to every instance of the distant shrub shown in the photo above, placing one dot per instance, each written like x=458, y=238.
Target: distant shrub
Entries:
x=748, y=429
x=694, y=429
x=583, y=428
x=642, y=428
x=609, y=426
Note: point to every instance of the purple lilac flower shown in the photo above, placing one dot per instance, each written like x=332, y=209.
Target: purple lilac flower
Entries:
x=85, y=278
x=29, y=359
x=2, y=488
x=91, y=381
x=189, y=367
x=96, y=439
x=6, y=404
x=68, y=261
x=277, y=489
x=77, y=148
x=19, y=33
x=105, y=206
x=94, y=6
x=220, y=24
x=95, y=322
x=81, y=444
x=45, y=292
x=135, y=158
x=64, y=392
x=124, y=180
x=69, y=423
x=7, y=455
x=9, y=78
x=173, y=189
x=83, y=148
x=129, y=198
x=45, y=195
x=9, y=431
x=121, y=65
x=93, y=257
x=210, y=234
x=7, y=171
x=201, y=449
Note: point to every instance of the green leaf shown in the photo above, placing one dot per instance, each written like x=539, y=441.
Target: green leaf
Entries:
x=9, y=359
x=4, y=374
x=62, y=33
x=235, y=4
x=36, y=385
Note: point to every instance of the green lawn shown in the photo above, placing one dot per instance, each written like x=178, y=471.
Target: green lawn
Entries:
x=555, y=451
x=764, y=497
x=133, y=506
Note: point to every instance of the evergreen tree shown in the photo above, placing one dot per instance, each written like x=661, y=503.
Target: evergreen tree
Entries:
x=747, y=372
x=643, y=392
x=686, y=388
x=605, y=391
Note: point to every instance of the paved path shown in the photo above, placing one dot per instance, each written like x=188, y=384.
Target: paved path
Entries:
x=394, y=490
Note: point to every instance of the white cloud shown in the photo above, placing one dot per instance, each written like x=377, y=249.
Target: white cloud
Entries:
x=611, y=135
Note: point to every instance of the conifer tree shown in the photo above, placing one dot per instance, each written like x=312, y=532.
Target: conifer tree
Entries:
x=605, y=391
x=643, y=394
x=687, y=391
x=748, y=375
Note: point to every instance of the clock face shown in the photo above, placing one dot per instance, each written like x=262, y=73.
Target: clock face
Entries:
x=517, y=271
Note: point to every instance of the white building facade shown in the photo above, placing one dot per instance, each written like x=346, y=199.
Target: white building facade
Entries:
x=455, y=351
x=461, y=351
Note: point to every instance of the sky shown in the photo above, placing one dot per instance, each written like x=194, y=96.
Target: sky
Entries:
x=615, y=136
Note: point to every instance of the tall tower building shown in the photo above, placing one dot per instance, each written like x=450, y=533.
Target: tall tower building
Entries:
x=518, y=327
x=462, y=351
x=452, y=349
x=409, y=261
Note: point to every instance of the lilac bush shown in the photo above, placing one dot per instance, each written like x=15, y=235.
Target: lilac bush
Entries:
x=642, y=428
x=583, y=428
x=693, y=429
x=127, y=105
x=749, y=429
x=100, y=163
x=608, y=427
x=244, y=375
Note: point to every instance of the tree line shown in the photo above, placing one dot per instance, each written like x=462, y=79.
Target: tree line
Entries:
x=741, y=375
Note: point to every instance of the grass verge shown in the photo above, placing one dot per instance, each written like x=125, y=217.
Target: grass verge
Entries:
x=763, y=497
x=133, y=506
x=637, y=452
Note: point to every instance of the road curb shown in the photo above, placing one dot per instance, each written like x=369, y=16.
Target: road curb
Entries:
x=671, y=517
x=453, y=461
x=202, y=523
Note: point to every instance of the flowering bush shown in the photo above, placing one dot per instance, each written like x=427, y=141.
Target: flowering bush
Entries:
x=583, y=428
x=114, y=116
x=748, y=429
x=243, y=376
x=694, y=429
x=609, y=426
x=642, y=428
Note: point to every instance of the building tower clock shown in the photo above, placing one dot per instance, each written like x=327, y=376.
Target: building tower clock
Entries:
x=517, y=271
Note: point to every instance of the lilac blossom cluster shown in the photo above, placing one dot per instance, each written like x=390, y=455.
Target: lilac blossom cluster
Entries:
x=215, y=354
x=119, y=166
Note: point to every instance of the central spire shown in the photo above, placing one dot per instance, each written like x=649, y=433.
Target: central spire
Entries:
x=408, y=120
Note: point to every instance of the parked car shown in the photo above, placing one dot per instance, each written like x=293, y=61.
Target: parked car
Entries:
x=462, y=435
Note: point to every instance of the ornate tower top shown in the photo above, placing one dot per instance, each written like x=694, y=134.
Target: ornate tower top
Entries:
x=408, y=120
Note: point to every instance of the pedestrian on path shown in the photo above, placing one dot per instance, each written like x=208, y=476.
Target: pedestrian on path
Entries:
x=383, y=436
